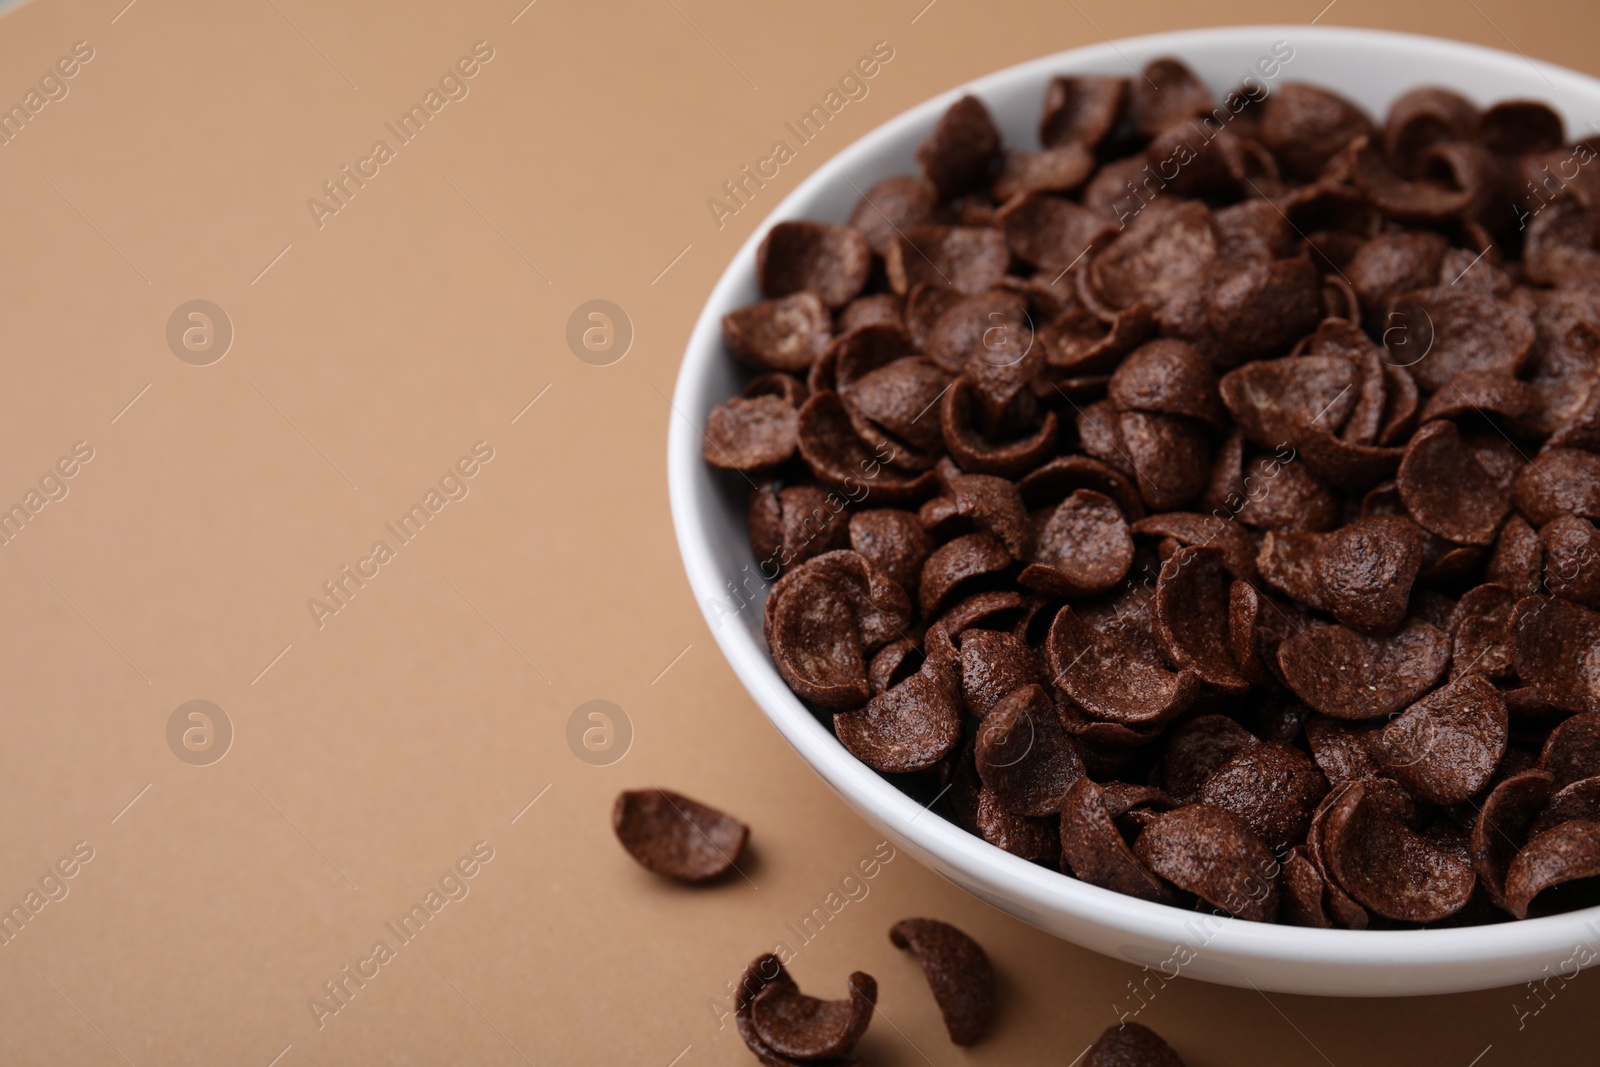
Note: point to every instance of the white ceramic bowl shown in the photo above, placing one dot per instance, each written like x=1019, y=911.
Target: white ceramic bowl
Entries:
x=708, y=509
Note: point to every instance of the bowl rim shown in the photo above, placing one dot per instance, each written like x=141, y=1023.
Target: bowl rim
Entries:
x=862, y=787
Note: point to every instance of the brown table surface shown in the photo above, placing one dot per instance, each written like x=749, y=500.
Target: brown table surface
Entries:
x=372, y=348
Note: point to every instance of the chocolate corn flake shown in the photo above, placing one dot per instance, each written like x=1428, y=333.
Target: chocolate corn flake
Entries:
x=1188, y=528
x=1387, y=866
x=1347, y=466
x=962, y=149
x=1303, y=890
x=988, y=611
x=1084, y=342
x=1336, y=214
x=909, y=727
x=1107, y=748
x=1167, y=92
x=993, y=506
x=981, y=451
x=1455, y=182
x=1024, y=755
x=1051, y=233
x=1253, y=231
x=804, y=1028
x=1264, y=307
x=796, y=1020
x=994, y=666
x=779, y=384
x=1220, y=167
x=858, y=353
x=1502, y=827
x=1445, y=747
x=1480, y=629
x=1288, y=563
x=824, y=618
x=751, y=434
x=1559, y=248
x=892, y=205
x=881, y=607
x=1567, y=325
x=1400, y=405
x=1274, y=787
x=1131, y=1045
x=1305, y=127
x=965, y=258
x=1579, y=800
x=885, y=406
x=879, y=309
x=1554, y=642
x=1196, y=749
x=1520, y=127
x=1030, y=838
x=842, y=461
x=1350, y=675
x=816, y=642
x=1214, y=854
x=1054, y=481
x=1423, y=118
x=973, y=556
x=1572, y=751
x=831, y=261
x=1365, y=570
x=791, y=525
x=1167, y=377
x=1556, y=871
x=1483, y=393
x=672, y=835
x=787, y=334
x=1093, y=849
x=1447, y=489
x=994, y=322
x=1168, y=490
x=1122, y=798
x=1100, y=437
x=1274, y=400
x=1163, y=259
x=1394, y=263
x=1459, y=329
x=1562, y=481
x=1342, y=750
x=1111, y=682
x=1169, y=457
x=892, y=541
x=1192, y=594
x=1341, y=908
x=1244, y=614
x=892, y=664
x=1083, y=548
x=1285, y=496
x=1517, y=562
x=925, y=302
x=958, y=971
x=1055, y=170
x=1570, y=548
x=1082, y=109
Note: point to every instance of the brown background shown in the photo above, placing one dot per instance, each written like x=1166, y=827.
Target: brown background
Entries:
x=428, y=712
